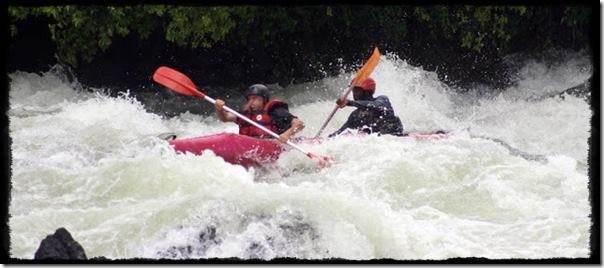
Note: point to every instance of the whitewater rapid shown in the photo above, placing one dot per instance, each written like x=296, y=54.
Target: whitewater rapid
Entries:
x=93, y=164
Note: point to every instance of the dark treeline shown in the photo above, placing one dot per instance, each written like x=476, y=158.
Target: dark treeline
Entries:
x=233, y=46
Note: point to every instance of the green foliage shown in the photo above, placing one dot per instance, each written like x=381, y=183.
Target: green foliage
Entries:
x=576, y=18
x=476, y=27
x=81, y=32
x=202, y=26
x=472, y=27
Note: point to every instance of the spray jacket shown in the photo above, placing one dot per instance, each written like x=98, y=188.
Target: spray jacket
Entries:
x=373, y=116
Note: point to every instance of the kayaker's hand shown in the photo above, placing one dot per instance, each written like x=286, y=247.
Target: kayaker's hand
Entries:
x=219, y=105
x=283, y=138
x=341, y=103
x=297, y=125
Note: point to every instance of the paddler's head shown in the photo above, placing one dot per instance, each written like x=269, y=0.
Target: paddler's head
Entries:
x=256, y=96
x=365, y=90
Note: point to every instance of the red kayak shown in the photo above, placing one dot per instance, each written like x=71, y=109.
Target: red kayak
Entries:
x=233, y=148
x=248, y=151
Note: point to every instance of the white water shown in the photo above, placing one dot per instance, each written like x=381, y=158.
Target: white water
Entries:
x=92, y=164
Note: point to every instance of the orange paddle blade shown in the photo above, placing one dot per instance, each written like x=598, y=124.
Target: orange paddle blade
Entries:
x=176, y=81
x=367, y=69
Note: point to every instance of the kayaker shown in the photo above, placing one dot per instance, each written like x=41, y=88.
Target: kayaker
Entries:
x=373, y=115
x=270, y=113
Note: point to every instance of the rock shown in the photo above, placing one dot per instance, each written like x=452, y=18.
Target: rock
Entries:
x=60, y=246
x=99, y=258
x=167, y=136
x=582, y=90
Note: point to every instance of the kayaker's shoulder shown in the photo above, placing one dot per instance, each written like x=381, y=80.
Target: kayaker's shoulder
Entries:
x=382, y=98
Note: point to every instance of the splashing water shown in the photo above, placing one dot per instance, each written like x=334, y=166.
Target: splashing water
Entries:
x=93, y=164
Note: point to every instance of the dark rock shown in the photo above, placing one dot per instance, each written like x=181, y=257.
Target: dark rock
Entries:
x=167, y=136
x=256, y=251
x=206, y=238
x=60, y=246
x=582, y=90
x=99, y=258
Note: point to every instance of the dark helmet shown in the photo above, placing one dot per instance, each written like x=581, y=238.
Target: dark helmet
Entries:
x=258, y=89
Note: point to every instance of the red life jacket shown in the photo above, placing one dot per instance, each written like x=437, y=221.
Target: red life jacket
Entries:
x=264, y=119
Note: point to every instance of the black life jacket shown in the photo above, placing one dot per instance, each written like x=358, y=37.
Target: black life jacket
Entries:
x=382, y=121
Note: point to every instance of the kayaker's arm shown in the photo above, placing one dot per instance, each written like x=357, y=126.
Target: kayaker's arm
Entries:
x=380, y=102
x=287, y=124
x=344, y=127
x=282, y=119
x=223, y=115
x=296, y=126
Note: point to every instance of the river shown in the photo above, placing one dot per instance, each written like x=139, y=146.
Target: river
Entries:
x=92, y=163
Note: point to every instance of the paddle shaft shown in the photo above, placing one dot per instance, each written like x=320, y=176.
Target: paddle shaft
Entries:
x=257, y=125
x=333, y=112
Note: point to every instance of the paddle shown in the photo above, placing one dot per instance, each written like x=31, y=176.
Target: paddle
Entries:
x=180, y=83
x=358, y=79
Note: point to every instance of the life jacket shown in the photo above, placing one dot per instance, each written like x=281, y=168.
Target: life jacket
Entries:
x=264, y=119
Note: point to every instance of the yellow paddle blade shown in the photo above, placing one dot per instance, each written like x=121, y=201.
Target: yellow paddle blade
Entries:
x=367, y=69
